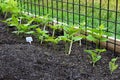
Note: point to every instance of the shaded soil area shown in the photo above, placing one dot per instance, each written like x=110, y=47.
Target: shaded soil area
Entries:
x=22, y=61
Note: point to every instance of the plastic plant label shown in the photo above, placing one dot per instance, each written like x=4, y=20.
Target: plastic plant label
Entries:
x=29, y=39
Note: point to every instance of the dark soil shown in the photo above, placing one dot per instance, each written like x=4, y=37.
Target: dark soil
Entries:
x=22, y=61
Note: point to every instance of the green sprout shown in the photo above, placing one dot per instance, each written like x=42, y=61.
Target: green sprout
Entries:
x=45, y=20
x=41, y=35
x=97, y=35
x=53, y=40
x=112, y=65
x=66, y=40
x=23, y=18
x=95, y=55
x=56, y=27
x=25, y=28
x=70, y=34
x=9, y=6
x=38, y=20
x=13, y=21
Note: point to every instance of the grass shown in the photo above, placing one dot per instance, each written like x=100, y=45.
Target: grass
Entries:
x=71, y=17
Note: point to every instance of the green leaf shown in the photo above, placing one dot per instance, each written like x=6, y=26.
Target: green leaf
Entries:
x=15, y=32
x=91, y=38
x=40, y=34
x=98, y=58
x=112, y=65
x=54, y=27
x=114, y=60
x=94, y=56
x=10, y=6
x=29, y=22
x=101, y=27
x=30, y=32
x=64, y=38
x=53, y=40
x=100, y=50
x=103, y=39
x=89, y=51
x=77, y=38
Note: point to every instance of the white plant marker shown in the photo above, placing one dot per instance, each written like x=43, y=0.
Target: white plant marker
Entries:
x=29, y=39
x=55, y=22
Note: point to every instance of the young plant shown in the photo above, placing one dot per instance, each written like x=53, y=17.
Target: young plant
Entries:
x=25, y=18
x=45, y=20
x=38, y=20
x=13, y=21
x=97, y=35
x=70, y=34
x=95, y=55
x=25, y=28
x=53, y=40
x=56, y=27
x=9, y=6
x=99, y=51
x=112, y=65
x=66, y=40
x=41, y=34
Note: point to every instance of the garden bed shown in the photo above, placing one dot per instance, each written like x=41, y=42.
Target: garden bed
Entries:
x=21, y=61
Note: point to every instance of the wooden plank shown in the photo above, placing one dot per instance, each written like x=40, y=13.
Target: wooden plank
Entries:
x=111, y=44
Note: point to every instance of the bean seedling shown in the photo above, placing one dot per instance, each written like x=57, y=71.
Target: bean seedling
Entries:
x=56, y=27
x=112, y=65
x=9, y=6
x=95, y=55
x=25, y=28
x=53, y=40
x=70, y=33
x=45, y=20
x=41, y=34
x=97, y=35
x=13, y=21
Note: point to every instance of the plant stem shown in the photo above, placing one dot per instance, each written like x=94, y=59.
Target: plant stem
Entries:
x=41, y=41
x=44, y=27
x=53, y=33
x=70, y=47
x=5, y=15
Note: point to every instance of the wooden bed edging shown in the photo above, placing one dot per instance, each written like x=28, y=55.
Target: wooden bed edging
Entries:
x=112, y=44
